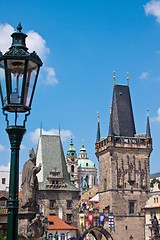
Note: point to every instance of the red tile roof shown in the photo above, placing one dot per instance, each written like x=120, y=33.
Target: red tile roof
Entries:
x=59, y=224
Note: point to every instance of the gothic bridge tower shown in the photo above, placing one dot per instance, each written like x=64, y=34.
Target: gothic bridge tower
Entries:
x=124, y=168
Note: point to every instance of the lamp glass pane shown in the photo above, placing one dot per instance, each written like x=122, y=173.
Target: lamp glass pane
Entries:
x=3, y=83
x=15, y=73
x=30, y=79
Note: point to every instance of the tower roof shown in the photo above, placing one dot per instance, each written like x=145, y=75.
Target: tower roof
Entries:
x=148, y=131
x=122, y=121
x=71, y=151
x=50, y=154
x=83, y=150
x=98, y=131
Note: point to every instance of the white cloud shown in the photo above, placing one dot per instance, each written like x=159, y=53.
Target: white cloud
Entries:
x=1, y=148
x=36, y=43
x=153, y=8
x=144, y=75
x=156, y=119
x=5, y=39
x=22, y=147
x=5, y=168
x=63, y=133
x=51, y=79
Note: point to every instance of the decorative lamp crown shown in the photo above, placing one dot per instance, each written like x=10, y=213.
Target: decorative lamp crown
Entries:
x=19, y=71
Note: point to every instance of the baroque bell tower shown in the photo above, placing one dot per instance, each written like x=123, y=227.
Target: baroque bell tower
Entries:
x=124, y=169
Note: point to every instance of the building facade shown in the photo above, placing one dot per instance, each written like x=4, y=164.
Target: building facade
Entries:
x=57, y=195
x=86, y=169
x=82, y=171
x=152, y=209
x=124, y=169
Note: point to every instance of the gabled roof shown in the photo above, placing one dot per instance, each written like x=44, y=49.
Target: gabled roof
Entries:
x=58, y=224
x=122, y=115
x=50, y=154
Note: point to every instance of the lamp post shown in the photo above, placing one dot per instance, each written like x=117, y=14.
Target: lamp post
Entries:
x=46, y=224
x=18, y=76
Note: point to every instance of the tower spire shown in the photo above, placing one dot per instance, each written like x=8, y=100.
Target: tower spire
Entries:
x=148, y=131
x=41, y=129
x=59, y=130
x=110, y=123
x=98, y=131
x=127, y=78
x=114, y=77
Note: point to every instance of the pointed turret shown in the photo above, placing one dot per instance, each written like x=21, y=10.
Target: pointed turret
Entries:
x=41, y=129
x=110, y=124
x=122, y=121
x=148, y=132
x=98, y=131
x=71, y=151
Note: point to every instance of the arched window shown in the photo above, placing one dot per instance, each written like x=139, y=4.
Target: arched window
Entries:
x=72, y=168
x=62, y=236
x=87, y=178
x=50, y=236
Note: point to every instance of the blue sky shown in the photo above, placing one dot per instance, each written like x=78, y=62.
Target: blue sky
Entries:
x=81, y=43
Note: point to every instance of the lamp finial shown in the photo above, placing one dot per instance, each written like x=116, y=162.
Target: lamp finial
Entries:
x=19, y=27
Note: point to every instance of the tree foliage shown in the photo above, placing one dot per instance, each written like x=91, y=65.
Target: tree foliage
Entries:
x=154, y=180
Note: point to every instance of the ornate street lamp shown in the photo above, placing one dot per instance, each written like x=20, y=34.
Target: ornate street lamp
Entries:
x=46, y=224
x=18, y=76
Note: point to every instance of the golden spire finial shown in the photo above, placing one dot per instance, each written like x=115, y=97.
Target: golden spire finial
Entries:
x=147, y=111
x=127, y=78
x=71, y=137
x=110, y=107
x=98, y=116
x=114, y=77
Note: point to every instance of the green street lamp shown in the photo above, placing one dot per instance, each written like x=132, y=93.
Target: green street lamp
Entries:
x=18, y=77
x=46, y=224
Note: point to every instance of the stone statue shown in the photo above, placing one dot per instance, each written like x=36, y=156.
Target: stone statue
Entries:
x=35, y=227
x=30, y=226
x=56, y=236
x=155, y=228
x=30, y=181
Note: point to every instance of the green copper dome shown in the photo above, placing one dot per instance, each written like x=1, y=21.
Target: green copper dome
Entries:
x=86, y=163
x=71, y=151
x=83, y=161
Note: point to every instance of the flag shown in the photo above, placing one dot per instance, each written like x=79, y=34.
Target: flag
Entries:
x=111, y=221
x=90, y=219
x=101, y=219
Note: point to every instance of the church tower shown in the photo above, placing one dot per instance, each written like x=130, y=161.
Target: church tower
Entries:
x=124, y=169
x=72, y=164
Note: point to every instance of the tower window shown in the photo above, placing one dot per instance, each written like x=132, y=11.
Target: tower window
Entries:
x=105, y=184
x=72, y=168
x=69, y=204
x=87, y=164
x=52, y=203
x=69, y=217
x=131, y=207
x=87, y=179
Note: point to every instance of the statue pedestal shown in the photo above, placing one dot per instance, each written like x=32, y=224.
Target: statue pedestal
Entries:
x=29, y=225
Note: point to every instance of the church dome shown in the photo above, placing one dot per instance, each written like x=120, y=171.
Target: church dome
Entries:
x=85, y=163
